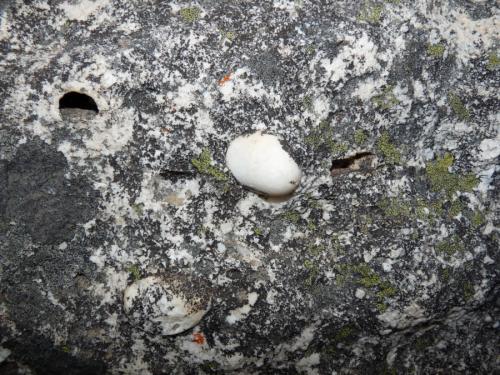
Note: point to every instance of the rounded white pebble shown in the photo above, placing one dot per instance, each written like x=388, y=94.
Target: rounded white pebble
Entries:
x=166, y=305
x=259, y=162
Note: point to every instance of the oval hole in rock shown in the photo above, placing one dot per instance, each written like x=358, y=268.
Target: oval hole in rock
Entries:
x=77, y=106
x=361, y=162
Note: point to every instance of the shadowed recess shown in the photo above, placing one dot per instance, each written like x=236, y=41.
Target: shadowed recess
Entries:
x=77, y=100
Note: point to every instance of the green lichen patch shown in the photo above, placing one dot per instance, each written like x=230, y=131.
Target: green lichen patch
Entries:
x=389, y=151
x=291, y=216
x=478, y=219
x=456, y=208
x=310, y=49
x=395, y=209
x=386, y=290
x=386, y=100
x=458, y=107
x=307, y=103
x=442, y=180
x=364, y=276
x=369, y=278
x=436, y=50
x=316, y=250
x=371, y=13
x=313, y=272
x=323, y=136
x=230, y=35
x=138, y=208
x=345, y=333
x=337, y=148
x=190, y=14
x=449, y=247
x=134, y=271
x=257, y=231
x=493, y=61
x=468, y=290
x=360, y=137
x=203, y=163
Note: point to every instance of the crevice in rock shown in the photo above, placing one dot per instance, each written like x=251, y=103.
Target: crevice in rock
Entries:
x=360, y=162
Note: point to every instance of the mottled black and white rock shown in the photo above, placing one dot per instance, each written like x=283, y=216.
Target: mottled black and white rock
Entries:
x=115, y=120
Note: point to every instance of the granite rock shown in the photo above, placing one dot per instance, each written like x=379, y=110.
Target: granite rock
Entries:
x=384, y=260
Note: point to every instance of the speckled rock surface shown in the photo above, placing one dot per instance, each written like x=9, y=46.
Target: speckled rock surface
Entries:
x=387, y=264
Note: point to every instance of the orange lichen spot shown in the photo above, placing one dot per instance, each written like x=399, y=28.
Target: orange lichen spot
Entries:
x=198, y=338
x=225, y=79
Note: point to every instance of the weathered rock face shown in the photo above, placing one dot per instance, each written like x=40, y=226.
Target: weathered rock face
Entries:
x=387, y=263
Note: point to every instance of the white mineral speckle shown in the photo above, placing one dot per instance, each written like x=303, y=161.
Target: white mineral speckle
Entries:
x=360, y=293
x=4, y=353
x=259, y=162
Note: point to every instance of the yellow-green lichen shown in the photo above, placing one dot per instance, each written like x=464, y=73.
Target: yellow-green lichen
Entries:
x=369, y=278
x=344, y=333
x=458, y=106
x=477, y=219
x=230, y=35
x=203, y=163
x=323, y=135
x=291, y=216
x=468, y=289
x=455, y=208
x=441, y=179
x=337, y=148
x=310, y=49
x=336, y=244
x=371, y=13
x=360, y=137
x=307, y=102
x=387, y=148
x=445, y=274
x=313, y=272
x=190, y=14
x=311, y=226
x=493, y=61
x=316, y=249
x=66, y=349
x=134, y=271
x=436, y=50
x=395, y=209
x=449, y=247
x=386, y=290
x=138, y=208
x=257, y=231
x=386, y=100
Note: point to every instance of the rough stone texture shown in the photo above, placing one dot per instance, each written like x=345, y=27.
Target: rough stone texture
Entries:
x=387, y=269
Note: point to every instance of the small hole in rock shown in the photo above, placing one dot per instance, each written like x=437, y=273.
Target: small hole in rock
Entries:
x=362, y=162
x=75, y=105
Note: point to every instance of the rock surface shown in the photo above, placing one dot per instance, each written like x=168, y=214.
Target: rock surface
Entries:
x=391, y=268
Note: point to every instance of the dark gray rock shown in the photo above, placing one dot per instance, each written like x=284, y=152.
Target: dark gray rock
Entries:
x=388, y=268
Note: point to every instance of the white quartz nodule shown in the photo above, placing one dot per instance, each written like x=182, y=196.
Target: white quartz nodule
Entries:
x=166, y=306
x=259, y=162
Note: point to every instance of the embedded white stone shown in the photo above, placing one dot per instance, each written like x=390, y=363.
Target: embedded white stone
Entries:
x=166, y=306
x=259, y=162
x=360, y=293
